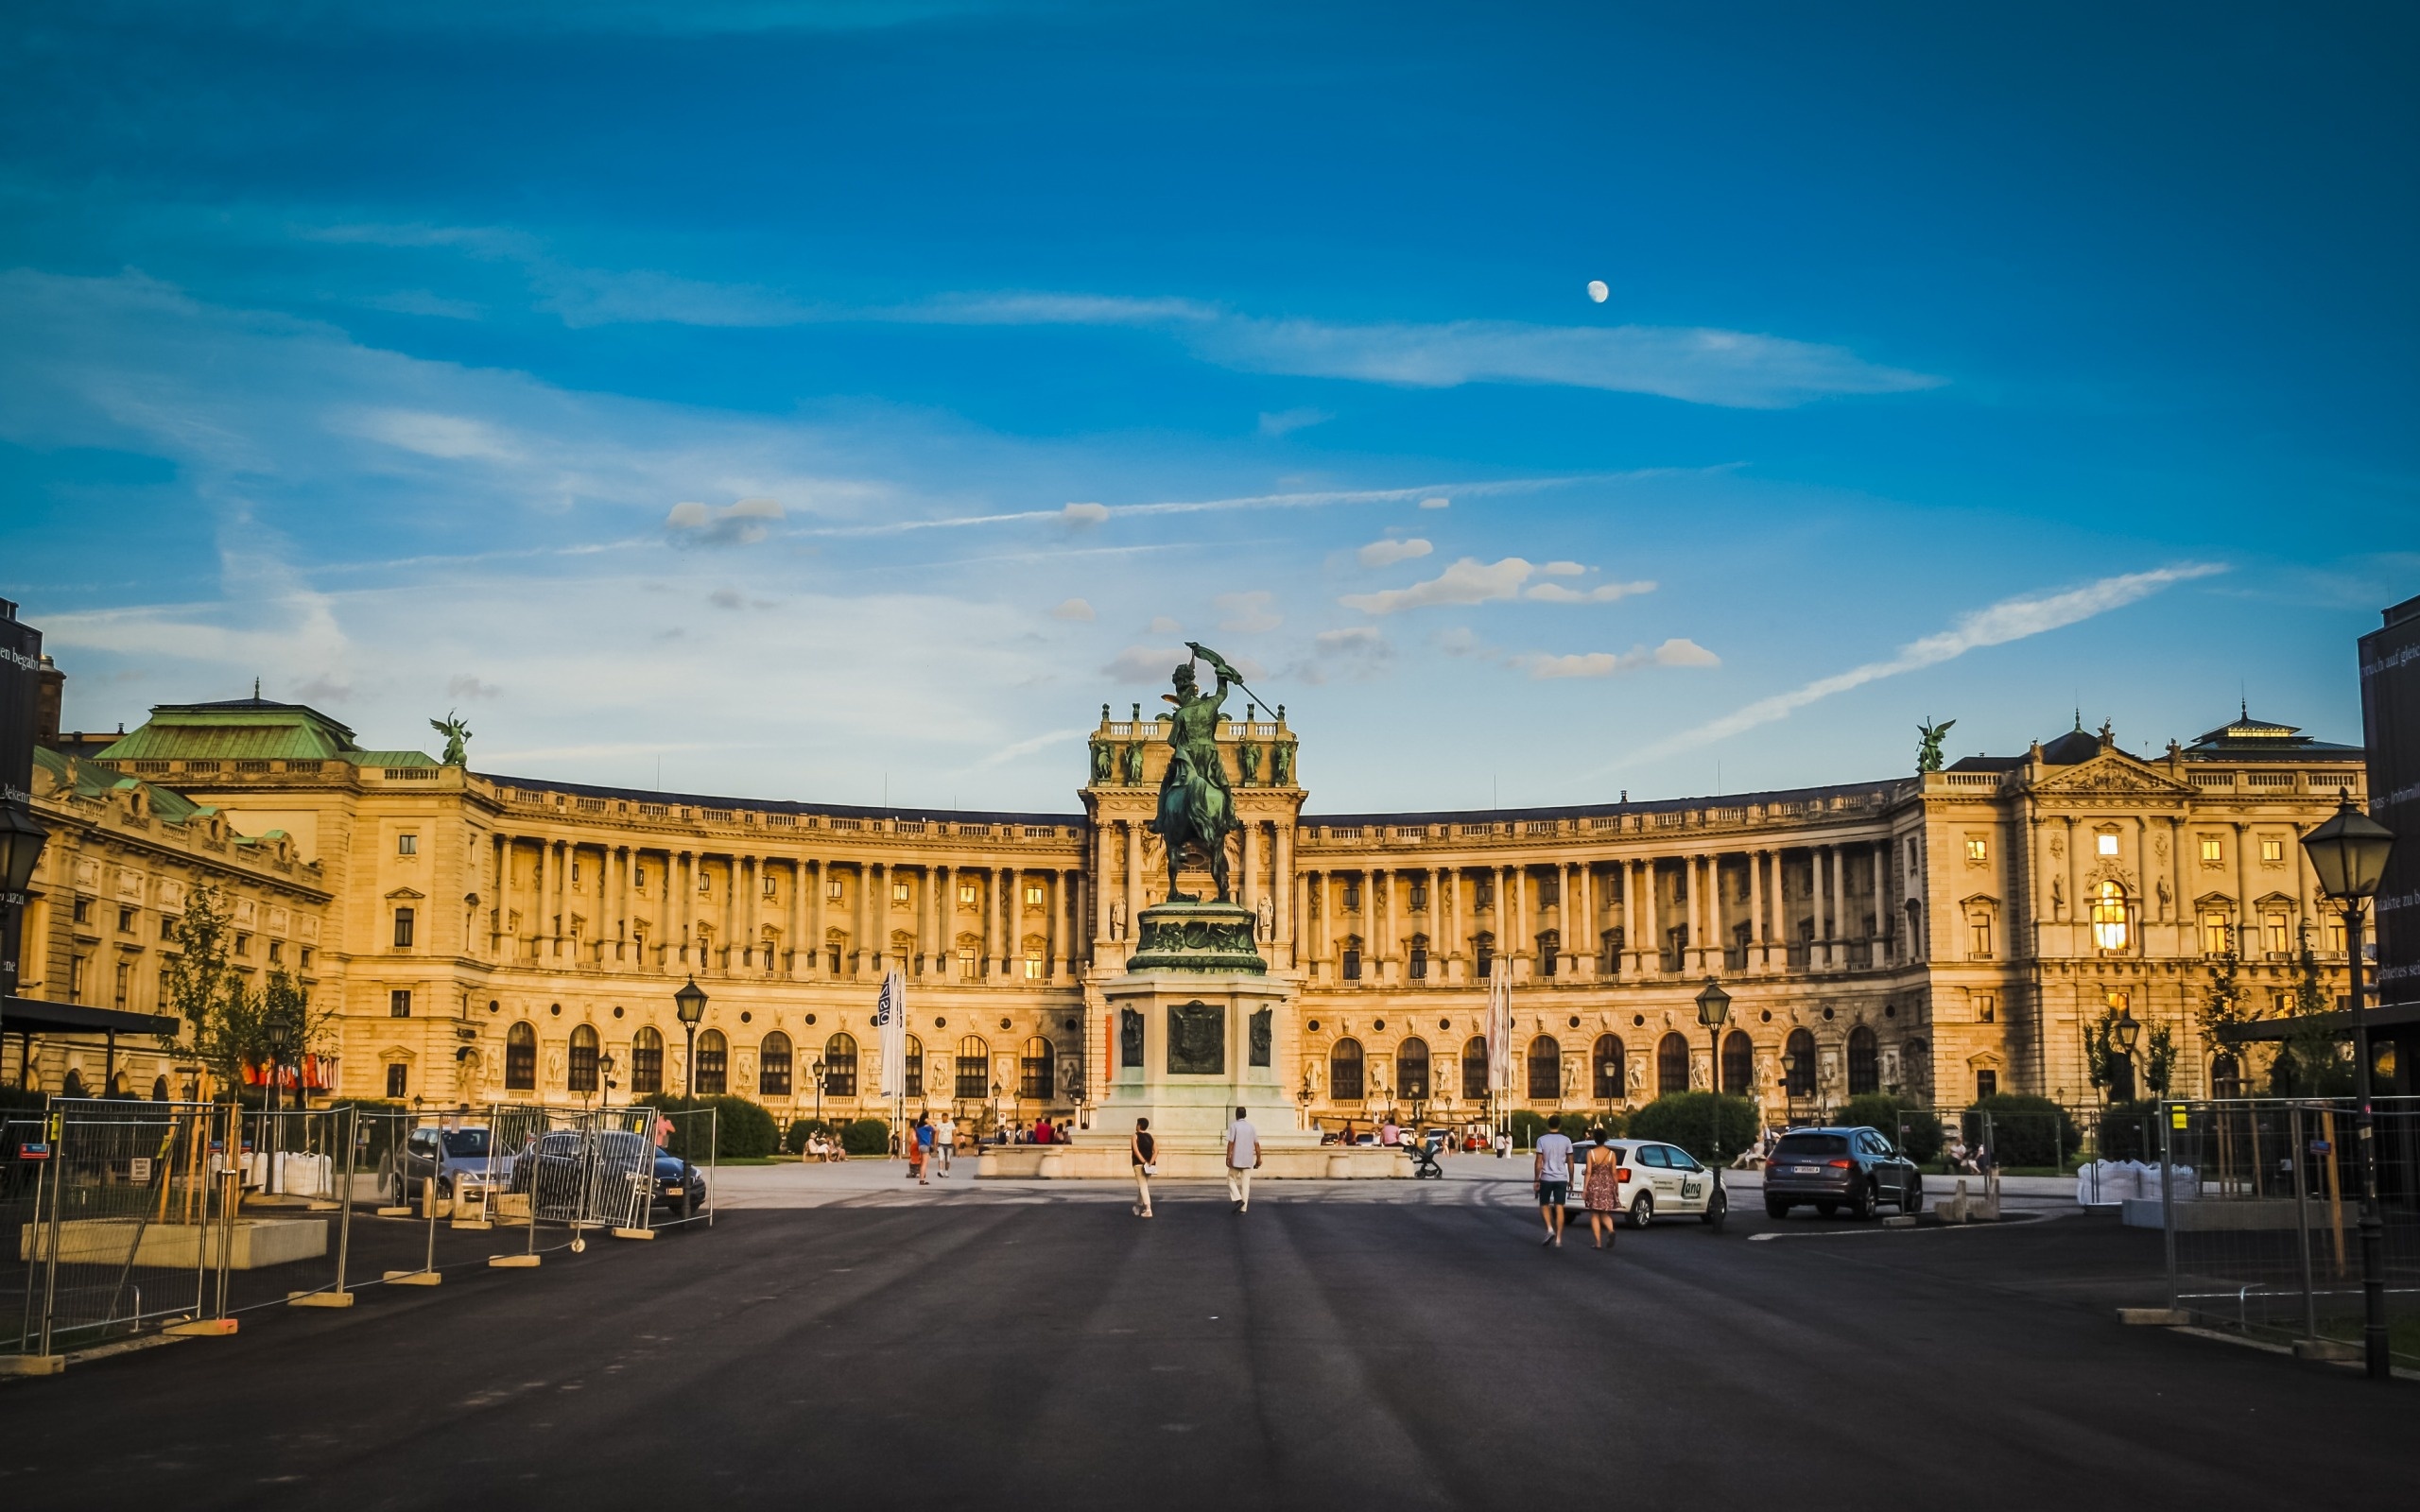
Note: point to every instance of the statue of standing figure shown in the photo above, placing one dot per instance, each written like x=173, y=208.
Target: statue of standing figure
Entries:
x=1928, y=744
x=456, y=731
x=1197, y=807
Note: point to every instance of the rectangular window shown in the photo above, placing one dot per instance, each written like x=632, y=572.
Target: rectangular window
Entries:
x=1978, y=848
x=899, y=892
x=966, y=895
x=1987, y=1083
x=408, y=845
x=1980, y=928
x=575, y=874
x=1033, y=968
x=1987, y=1008
x=403, y=929
x=2218, y=937
x=82, y=912
x=2336, y=933
x=2273, y=849
x=832, y=889
x=167, y=927
x=126, y=921
x=2105, y=845
x=966, y=966
x=1419, y=897
x=125, y=976
x=76, y=978
x=1352, y=895
x=2210, y=851
x=769, y=891
x=1549, y=891
x=705, y=879
x=1034, y=895
x=307, y=958
x=243, y=945
x=395, y=1078
x=2274, y=926
x=276, y=951
x=399, y=1003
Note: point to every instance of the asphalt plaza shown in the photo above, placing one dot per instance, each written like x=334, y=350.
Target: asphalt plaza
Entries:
x=1354, y=1345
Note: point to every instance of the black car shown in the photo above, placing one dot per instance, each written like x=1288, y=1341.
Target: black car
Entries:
x=1834, y=1168
x=612, y=1166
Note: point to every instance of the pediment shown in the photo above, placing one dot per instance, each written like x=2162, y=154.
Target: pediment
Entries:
x=405, y=895
x=2113, y=772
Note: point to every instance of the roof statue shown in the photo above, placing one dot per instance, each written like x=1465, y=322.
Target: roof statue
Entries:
x=1928, y=744
x=456, y=730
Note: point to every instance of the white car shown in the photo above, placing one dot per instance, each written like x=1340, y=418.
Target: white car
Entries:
x=1657, y=1181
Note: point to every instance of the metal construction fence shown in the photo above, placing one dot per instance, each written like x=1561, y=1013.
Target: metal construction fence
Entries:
x=119, y=1217
x=2258, y=1201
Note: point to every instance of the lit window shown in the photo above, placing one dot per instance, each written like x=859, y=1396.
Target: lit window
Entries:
x=2218, y=938
x=705, y=880
x=2109, y=917
x=2210, y=849
x=899, y=892
x=2106, y=845
x=1033, y=968
x=1978, y=848
x=1980, y=926
x=408, y=845
x=768, y=885
x=1986, y=1007
x=1034, y=895
x=2273, y=925
x=2273, y=849
x=832, y=889
x=966, y=966
x=966, y=895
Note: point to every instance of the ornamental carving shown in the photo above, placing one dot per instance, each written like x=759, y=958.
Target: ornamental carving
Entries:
x=1197, y=1039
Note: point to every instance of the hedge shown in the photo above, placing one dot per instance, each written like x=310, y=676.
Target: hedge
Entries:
x=743, y=1130
x=866, y=1136
x=1695, y=1122
x=1910, y=1125
x=2026, y=1130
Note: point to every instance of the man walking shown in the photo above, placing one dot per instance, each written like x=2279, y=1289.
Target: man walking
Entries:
x=1243, y=1157
x=945, y=1140
x=1553, y=1177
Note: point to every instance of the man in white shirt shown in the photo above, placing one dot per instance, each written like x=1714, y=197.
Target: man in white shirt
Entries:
x=1243, y=1157
x=1554, y=1177
x=945, y=1140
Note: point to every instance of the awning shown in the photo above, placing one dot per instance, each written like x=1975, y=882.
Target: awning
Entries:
x=2393, y=1015
x=34, y=1016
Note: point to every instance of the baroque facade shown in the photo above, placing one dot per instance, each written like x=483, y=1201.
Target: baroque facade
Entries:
x=486, y=937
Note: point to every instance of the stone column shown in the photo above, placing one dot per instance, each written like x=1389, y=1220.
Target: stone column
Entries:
x=1520, y=951
x=1133, y=881
x=1651, y=917
x=1009, y=914
x=1382, y=917
x=1882, y=930
x=1585, y=950
x=1323, y=905
x=1282, y=889
x=745, y=881
x=680, y=906
x=1060, y=886
x=812, y=875
x=503, y=930
x=1840, y=905
x=1249, y=892
x=1758, y=933
x=544, y=928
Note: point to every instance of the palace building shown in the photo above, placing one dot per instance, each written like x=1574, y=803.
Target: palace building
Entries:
x=484, y=936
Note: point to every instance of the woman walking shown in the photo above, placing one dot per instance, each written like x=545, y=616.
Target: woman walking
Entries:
x=1602, y=1189
x=1142, y=1150
x=920, y=1147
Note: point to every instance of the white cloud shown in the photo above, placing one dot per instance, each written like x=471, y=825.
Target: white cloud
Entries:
x=2010, y=619
x=1074, y=608
x=1247, y=614
x=1286, y=421
x=1672, y=653
x=1437, y=504
x=450, y=438
x=1145, y=663
x=1563, y=569
x=1358, y=653
x=1601, y=593
x=1080, y=516
x=1468, y=581
x=1162, y=625
x=735, y=524
x=1388, y=552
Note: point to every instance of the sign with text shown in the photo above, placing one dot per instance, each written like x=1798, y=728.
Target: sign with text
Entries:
x=20, y=696
x=2391, y=732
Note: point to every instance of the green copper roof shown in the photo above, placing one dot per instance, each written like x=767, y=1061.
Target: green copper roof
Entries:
x=249, y=729
x=93, y=780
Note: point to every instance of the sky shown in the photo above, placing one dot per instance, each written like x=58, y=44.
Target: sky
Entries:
x=844, y=402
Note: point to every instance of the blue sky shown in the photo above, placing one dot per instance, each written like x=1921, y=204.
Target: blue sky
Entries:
x=845, y=401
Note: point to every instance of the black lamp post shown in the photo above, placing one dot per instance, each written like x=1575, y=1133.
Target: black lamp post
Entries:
x=1714, y=1006
x=1789, y=1083
x=816, y=1071
x=690, y=1004
x=2349, y=854
x=2123, y=1032
x=21, y=841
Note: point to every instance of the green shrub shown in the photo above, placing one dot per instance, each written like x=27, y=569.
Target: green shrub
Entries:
x=2130, y=1130
x=866, y=1136
x=743, y=1130
x=2026, y=1130
x=23, y=1099
x=1909, y=1124
x=1579, y=1126
x=1713, y=1127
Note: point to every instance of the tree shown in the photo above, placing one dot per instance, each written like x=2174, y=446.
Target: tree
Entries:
x=2159, y=1060
x=202, y=990
x=2311, y=1061
x=2100, y=1052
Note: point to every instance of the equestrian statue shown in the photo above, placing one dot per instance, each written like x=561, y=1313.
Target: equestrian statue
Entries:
x=1197, y=805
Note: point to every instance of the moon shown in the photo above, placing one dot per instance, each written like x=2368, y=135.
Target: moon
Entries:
x=1597, y=292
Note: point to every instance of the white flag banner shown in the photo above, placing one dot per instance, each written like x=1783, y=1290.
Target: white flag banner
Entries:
x=890, y=1020
x=1500, y=1029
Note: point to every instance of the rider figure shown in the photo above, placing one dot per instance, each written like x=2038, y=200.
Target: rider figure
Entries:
x=1197, y=806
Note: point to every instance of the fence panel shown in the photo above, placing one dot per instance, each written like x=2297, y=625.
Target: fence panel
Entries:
x=683, y=1146
x=2259, y=1204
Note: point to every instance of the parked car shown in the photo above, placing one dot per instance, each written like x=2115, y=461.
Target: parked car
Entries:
x=1834, y=1168
x=556, y=1164
x=451, y=1156
x=1657, y=1180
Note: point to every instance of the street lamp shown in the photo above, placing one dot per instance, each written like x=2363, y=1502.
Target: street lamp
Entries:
x=20, y=842
x=2348, y=854
x=690, y=1004
x=816, y=1071
x=1789, y=1059
x=2123, y=1032
x=1714, y=1006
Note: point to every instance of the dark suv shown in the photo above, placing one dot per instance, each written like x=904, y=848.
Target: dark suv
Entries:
x=1833, y=1168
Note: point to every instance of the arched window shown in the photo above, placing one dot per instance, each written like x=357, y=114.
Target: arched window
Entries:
x=159, y=1089
x=74, y=1085
x=1739, y=1064
x=1411, y=1070
x=1802, y=1069
x=915, y=1087
x=1549, y=950
x=580, y=1075
x=1475, y=1067
x=773, y=1059
x=840, y=1066
x=1483, y=952
x=1606, y=1063
x=1545, y=1069
x=974, y=1081
x=521, y=1058
x=1349, y=961
x=646, y=1062
x=1416, y=965
x=1344, y=1072
x=712, y=1075
x=1035, y=1067
x=2109, y=922
x=1671, y=1064
x=1865, y=1062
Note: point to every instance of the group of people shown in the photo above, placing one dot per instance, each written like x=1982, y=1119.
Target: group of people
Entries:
x=1242, y=1145
x=930, y=1144
x=1601, y=1188
x=824, y=1147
